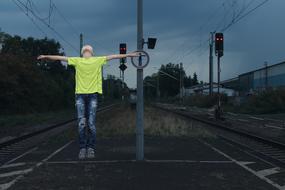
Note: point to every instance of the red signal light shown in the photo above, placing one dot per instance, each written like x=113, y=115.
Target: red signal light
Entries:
x=123, y=48
x=219, y=44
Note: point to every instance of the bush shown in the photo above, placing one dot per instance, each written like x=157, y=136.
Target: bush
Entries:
x=204, y=101
x=269, y=101
x=27, y=88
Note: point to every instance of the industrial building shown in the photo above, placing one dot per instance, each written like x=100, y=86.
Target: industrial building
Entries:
x=272, y=77
x=249, y=83
x=203, y=89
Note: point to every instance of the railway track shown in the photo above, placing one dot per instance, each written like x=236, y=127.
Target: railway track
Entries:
x=270, y=150
x=11, y=147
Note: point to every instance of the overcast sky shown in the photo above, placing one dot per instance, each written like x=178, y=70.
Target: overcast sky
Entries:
x=181, y=26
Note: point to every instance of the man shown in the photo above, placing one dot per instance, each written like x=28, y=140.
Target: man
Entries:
x=88, y=85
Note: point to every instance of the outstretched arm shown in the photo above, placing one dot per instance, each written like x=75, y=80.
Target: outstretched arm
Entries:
x=121, y=56
x=53, y=58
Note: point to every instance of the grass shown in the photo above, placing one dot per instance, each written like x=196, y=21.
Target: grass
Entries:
x=156, y=123
x=118, y=122
x=162, y=123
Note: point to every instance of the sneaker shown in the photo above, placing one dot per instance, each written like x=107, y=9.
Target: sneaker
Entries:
x=90, y=153
x=82, y=153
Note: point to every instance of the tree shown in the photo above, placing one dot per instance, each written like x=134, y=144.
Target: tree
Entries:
x=169, y=83
x=31, y=86
x=188, y=81
x=195, y=79
x=169, y=86
x=150, y=86
x=113, y=88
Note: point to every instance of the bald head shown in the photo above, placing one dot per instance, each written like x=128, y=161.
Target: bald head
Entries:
x=87, y=51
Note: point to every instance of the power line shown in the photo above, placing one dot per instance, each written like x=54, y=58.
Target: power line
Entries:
x=67, y=21
x=188, y=52
x=29, y=9
x=236, y=18
x=34, y=7
x=243, y=16
x=32, y=20
x=212, y=16
x=75, y=30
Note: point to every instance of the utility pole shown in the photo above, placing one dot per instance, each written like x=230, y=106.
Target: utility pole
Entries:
x=81, y=44
x=219, y=50
x=140, y=104
x=157, y=88
x=122, y=77
x=123, y=67
x=181, y=81
x=211, y=44
x=219, y=79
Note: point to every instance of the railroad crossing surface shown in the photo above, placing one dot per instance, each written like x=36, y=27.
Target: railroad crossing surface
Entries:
x=171, y=163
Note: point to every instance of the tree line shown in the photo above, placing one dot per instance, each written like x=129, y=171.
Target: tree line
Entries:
x=167, y=81
x=28, y=85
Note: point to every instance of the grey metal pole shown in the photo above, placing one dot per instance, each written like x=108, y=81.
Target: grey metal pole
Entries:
x=140, y=104
x=181, y=83
x=219, y=79
x=157, y=87
x=211, y=64
x=123, y=85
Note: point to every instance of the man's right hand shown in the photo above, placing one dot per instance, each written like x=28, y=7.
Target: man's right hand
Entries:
x=41, y=57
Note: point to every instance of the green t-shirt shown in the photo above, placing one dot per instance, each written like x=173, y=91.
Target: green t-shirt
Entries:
x=88, y=77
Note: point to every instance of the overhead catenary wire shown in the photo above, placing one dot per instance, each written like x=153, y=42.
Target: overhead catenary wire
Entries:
x=32, y=20
x=244, y=15
x=34, y=7
x=30, y=7
x=43, y=21
x=177, y=50
x=236, y=18
x=74, y=29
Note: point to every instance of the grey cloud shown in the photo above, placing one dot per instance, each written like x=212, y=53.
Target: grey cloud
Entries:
x=257, y=38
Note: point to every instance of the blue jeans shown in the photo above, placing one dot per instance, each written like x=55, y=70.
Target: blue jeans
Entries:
x=86, y=105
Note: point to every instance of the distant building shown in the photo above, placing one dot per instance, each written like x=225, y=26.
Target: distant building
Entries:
x=203, y=89
x=245, y=84
x=272, y=76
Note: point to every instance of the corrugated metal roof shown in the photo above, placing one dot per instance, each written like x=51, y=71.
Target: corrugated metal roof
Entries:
x=251, y=72
x=269, y=66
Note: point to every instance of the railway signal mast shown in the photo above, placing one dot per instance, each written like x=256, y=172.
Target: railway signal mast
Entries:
x=123, y=67
x=211, y=44
x=140, y=63
x=219, y=50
